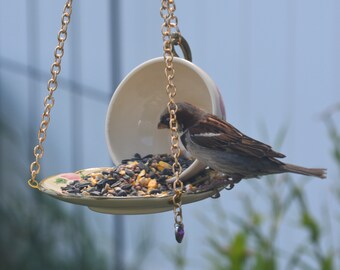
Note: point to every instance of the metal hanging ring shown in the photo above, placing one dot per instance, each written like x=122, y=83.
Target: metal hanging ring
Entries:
x=179, y=40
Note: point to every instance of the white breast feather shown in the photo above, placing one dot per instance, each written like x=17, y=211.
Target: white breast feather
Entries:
x=207, y=134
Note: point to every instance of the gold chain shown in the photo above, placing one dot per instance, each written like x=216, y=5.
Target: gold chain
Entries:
x=52, y=86
x=169, y=30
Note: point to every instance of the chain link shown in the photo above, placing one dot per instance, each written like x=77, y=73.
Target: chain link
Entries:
x=52, y=86
x=169, y=31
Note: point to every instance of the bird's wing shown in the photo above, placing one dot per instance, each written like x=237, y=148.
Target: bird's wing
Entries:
x=215, y=133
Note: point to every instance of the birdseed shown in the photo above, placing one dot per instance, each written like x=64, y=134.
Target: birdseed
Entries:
x=139, y=176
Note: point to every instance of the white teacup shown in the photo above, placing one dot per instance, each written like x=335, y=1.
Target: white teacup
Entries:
x=139, y=100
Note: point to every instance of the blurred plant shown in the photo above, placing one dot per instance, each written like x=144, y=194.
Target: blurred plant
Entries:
x=319, y=229
x=35, y=231
x=310, y=254
x=334, y=133
x=253, y=244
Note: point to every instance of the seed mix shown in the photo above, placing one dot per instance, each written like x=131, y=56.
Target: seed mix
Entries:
x=139, y=176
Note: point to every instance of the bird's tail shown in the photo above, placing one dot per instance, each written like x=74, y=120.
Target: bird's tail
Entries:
x=317, y=172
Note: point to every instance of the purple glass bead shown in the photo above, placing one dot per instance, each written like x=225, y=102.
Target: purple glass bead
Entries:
x=179, y=232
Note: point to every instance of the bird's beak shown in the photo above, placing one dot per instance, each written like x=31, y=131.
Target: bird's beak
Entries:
x=162, y=125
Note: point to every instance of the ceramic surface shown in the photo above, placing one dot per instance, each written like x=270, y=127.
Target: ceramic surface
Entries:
x=135, y=107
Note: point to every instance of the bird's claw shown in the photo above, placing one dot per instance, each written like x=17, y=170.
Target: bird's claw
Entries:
x=229, y=186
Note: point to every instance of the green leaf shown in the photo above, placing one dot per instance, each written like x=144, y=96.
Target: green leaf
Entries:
x=256, y=219
x=264, y=263
x=61, y=181
x=238, y=251
x=311, y=225
x=327, y=263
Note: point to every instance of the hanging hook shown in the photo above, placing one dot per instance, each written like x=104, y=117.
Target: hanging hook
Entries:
x=183, y=44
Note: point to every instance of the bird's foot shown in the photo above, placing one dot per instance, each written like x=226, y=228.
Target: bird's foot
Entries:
x=223, y=180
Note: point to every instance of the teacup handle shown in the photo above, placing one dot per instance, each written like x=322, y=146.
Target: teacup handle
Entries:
x=183, y=44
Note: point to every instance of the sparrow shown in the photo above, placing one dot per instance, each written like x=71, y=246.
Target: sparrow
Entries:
x=223, y=148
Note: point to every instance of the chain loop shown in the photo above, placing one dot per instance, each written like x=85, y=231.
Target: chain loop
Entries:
x=169, y=28
x=52, y=86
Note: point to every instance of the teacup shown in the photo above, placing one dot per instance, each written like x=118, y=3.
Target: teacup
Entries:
x=139, y=100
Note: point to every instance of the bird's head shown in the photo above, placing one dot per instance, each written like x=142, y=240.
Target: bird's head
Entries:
x=187, y=115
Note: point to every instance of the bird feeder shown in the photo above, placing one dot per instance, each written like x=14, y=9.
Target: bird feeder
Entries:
x=131, y=127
